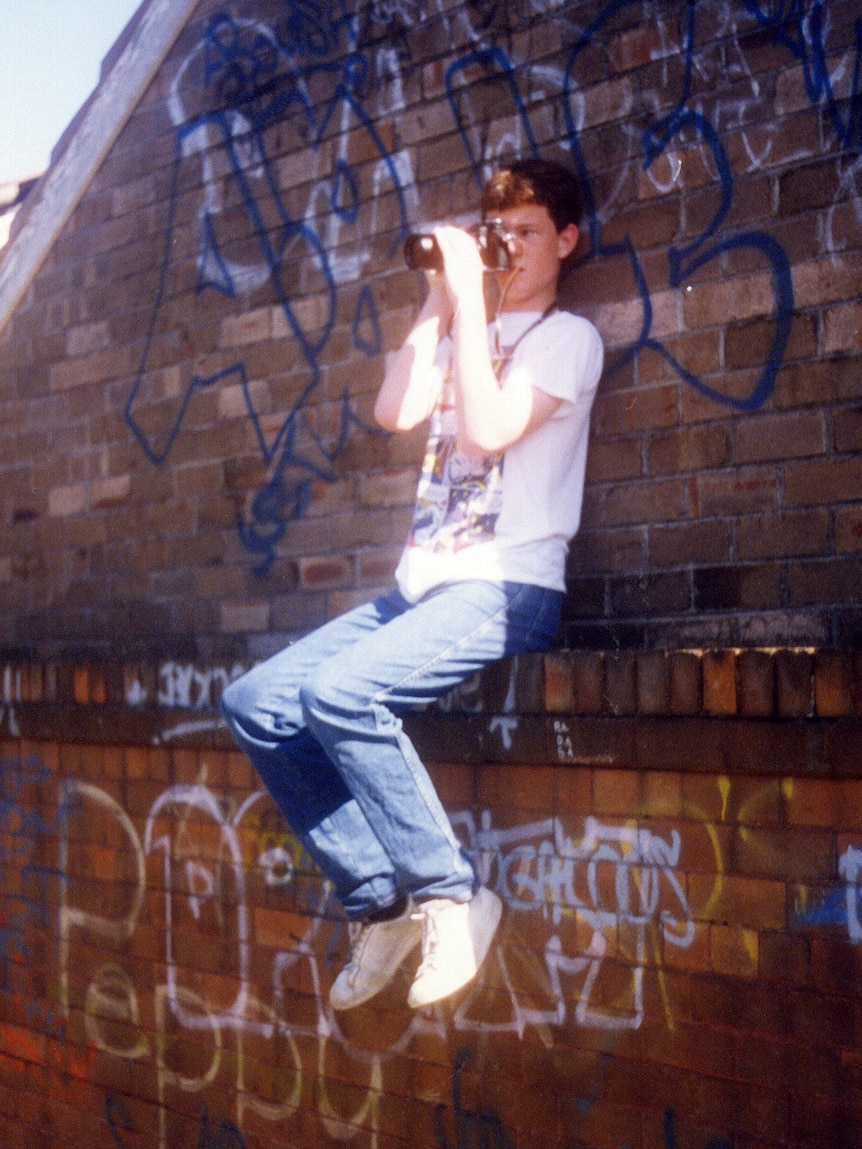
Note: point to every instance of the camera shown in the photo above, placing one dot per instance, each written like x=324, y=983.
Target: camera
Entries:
x=422, y=252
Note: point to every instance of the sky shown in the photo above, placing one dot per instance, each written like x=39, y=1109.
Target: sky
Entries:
x=50, y=55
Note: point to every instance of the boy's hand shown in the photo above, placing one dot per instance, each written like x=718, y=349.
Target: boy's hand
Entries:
x=462, y=266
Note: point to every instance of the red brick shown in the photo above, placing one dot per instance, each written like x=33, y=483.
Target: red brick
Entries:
x=738, y=492
x=743, y=297
x=699, y=448
x=719, y=682
x=848, y=529
x=326, y=572
x=833, y=683
x=616, y=793
x=685, y=682
x=786, y=535
x=794, y=682
x=756, y=683
x=588, y=682
x=622, y=414
x=558, y=683
x=754, y=903
x=734, y=951
x=621, y=681
x=827, y=482
x=652, y=682
x=827, y=280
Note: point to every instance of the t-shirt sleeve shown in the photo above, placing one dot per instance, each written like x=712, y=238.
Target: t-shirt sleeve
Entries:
x=563, y=358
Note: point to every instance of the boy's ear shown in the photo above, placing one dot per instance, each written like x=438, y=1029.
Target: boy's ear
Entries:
x=567, y=240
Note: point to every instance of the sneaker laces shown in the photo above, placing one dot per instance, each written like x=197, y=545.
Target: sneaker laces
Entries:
x=430, y=935
x=358, y=933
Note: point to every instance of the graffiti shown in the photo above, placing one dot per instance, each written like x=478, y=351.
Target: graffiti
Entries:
x=225, y=1135
x=803, y=32
x=662, y=140
x=670, y=1139
x=483, y=1129
x=216, y=861
x=237, y=66
x=615, y=877
x=188, y=686
x=27, y=881
x=841, y=907
x=295, y=258
x=850, y=868
x=242, y=939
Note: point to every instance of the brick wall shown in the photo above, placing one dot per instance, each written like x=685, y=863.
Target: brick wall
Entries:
x=188, y=465
x=189, y=477
x=677, y=840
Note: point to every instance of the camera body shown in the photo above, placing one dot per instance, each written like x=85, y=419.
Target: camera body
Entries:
x=422, y=252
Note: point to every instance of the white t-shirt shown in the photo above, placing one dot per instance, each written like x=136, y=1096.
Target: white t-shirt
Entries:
x=509, y=517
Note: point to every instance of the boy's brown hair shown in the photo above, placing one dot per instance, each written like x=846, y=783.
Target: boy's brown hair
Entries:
x=544, y=182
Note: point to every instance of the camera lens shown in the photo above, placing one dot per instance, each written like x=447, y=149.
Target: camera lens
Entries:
x=422, y=253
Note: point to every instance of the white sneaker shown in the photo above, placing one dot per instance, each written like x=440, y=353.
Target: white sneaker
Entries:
x=377, y=949
x=456, y=937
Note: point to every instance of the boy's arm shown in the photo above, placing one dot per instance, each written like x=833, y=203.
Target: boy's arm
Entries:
x=412, y=379
x=491, y=416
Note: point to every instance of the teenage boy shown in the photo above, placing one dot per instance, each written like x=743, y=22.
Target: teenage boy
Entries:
x=480, y=579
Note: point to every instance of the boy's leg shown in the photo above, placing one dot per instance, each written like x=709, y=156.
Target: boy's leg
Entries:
x=264, y=713
x=352, y=705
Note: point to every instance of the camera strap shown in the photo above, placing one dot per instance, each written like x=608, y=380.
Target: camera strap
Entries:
x=500, y=358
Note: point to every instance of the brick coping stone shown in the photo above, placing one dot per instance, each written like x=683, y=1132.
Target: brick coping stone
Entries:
x=789, y=710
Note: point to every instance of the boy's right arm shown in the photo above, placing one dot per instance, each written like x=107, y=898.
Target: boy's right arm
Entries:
x=412, y=379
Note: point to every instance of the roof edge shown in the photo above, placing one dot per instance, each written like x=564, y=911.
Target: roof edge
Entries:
x=149, y=36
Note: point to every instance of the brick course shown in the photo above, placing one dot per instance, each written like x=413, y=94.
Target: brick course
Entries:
x=671, y=944
x=685, y=297
x=190, y=478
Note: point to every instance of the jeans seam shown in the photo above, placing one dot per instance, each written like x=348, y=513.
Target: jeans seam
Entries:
x=461, y=642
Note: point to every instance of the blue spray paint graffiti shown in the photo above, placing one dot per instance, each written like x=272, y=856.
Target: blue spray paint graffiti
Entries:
x=319, y=75
x=483, y=1129
x=239, y=66
x=685, y=261
x=25, y=880
x=803, y=33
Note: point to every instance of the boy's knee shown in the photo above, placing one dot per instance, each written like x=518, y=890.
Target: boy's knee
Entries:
x=236, y=699
x=321, y=693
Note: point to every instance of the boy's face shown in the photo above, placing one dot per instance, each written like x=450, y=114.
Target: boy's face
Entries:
x=537, y=249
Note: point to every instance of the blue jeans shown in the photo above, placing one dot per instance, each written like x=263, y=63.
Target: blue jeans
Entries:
x=320, y=723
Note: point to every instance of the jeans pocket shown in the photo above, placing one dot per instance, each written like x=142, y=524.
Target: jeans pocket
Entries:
x=533, y=619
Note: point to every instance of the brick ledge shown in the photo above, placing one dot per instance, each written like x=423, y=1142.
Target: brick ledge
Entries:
x=785, y=683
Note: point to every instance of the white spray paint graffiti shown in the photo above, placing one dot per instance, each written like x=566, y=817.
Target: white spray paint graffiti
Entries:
x=212, y=856
x=850, y=868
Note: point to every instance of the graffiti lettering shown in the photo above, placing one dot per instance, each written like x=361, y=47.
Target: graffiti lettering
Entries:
x=244, y=95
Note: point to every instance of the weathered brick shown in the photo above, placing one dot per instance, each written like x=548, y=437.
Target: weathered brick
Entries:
x=388, y=489
x=685, y=682
x=244, y=615
x=794, y=671
x=558, y=683
x=67, y=500
x=621, y=682
x=843, y=328
x=756, y=683
x=719, y=682
x=326, y=572
x=734, y=951
x=698, y=448
x=652, y=682
x=588, y=681
x=833, y=683
x=847, y=429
